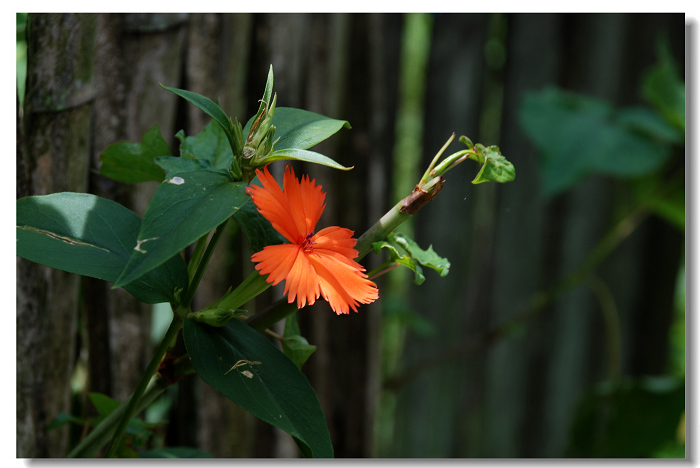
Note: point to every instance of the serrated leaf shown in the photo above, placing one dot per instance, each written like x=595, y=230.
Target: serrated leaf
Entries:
x=133, y=162
x=303, y=155
x=249, y=370
x=428, y=258
x=210, y=145
x=401, y=259
x=92, y=236
x=495, y=167
x=183, y=208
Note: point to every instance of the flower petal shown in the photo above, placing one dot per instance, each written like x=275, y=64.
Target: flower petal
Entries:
x=342, y=285
x=337, y=242
x=302, y=282
x=305, y=200
x=273, y=204
x=276, y=261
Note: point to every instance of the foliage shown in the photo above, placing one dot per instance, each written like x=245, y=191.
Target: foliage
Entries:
x=198, y=192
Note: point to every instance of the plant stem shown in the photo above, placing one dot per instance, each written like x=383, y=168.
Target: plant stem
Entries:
x=135, y=399
x=382, y=228
x=194, y=283
x=382, y=269
x=197, y=255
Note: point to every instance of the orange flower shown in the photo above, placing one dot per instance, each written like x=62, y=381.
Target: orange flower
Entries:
x=313, y=263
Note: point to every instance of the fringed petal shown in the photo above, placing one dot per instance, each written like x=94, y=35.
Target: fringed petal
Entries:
x=273, y=204
x=343, y=286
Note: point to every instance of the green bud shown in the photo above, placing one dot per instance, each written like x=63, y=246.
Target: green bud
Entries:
x=215, y=317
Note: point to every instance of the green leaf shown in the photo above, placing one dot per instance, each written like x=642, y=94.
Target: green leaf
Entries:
x=664, y=88
x=651, y=124
x=303, y=155
x=495, y=167
x=173, y=165
x=210, y=108
x=295, y=346
x=401, y=259
x=175, y=452
x=183, y=208
x=628, y=418
x=298, y=349
x=298, y=128
x=210, y=145
x=427, y=258
x=133, y=162
x=301, y=129
x=249, y=370
x=65, y=418
x=103, y=404
x=91, y=236
x=256, y=228
x=579, y=135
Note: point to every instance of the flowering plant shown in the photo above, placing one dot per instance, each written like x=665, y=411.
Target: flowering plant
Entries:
x=221, y=174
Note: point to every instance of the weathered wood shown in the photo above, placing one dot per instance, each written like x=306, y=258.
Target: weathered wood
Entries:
x=55, y=136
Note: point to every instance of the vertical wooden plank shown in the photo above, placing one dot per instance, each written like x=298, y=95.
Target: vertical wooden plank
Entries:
x=427, y=420
x=56, y=133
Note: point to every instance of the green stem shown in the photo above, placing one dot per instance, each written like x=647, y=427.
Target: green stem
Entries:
x=427, y=174
x=197, y=255
x=383, y=268
x=382, y=228
x=135, y=399
x=272, y=314
x=90, y=446
x=202, y=266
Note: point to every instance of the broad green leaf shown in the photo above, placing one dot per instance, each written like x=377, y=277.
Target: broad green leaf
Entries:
x=256, y=228
x=298, y=349
x=210, y=145
x=651, y=124
x=251, y=287
x=628, y=418
x=249, y=370
x=91, y=236
x=427, y=258
x=303, y=155
x=210, y=108
x=133, y=162
x=664, y=88
x=495, y=167
x=183, y=208
x=175, y=452
x=65, y=418
x=302, y=129
x=401, y=259
x=103, y=404
x=295, y=346
x=579, y=135
x=173, y=165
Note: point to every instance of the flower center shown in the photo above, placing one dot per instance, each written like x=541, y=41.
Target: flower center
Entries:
x=305, y=242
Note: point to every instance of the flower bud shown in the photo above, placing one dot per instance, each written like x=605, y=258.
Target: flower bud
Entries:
x=215, y=317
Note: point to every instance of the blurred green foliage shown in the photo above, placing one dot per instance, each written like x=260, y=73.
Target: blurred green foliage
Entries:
x=21, y=56
x=579, y=136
